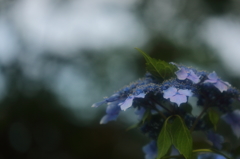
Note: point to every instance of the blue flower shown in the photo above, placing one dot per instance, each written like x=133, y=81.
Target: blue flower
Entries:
x=112, y=112
x=151, y=99
x=178, y=96
x=216, y=139
x=233, y=119
x=217, y=82
x=184, y=73
x=150, y=150
x=128, y=102
x=133, y=88
x=210, y=156
x=112, y=98
x=98, y=103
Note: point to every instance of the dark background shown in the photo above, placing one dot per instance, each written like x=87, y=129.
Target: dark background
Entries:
x=58, y=57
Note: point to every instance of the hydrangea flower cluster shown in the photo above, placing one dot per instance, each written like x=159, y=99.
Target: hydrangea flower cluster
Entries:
x=156, y=100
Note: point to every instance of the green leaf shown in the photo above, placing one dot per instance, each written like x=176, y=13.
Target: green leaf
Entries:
x=182, y=138
x=214, y=117
x=159, y=69
x=164, y=140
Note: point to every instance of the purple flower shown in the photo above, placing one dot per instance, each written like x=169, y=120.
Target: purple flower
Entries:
x=150, y=150
x=216, y=139
x=177, y=95
x=184, y=73
x=221, y=85
x=128, y=102
x=233, y=119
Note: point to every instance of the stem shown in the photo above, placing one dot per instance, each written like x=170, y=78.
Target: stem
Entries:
x=198, y=118
x=159, y=112
x=162, y=105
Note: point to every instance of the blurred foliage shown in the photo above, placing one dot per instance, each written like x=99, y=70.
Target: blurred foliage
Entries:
x=35, y=125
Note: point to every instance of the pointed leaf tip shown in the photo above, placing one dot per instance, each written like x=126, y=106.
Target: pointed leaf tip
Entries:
x=158, y=68
x=214, y=117
x=164, y=140
x=182, y=138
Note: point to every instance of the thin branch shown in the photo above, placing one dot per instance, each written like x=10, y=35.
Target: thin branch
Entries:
x=161, y=105
x=159, y=112
x=198, y=118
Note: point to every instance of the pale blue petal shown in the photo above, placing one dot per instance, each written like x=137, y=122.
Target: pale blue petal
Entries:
x=193, y=77
x=185, y=92
x=105, y=119
x=113, y=108
x=182, y=74
x=150, y=150
x=210, y=81
x=222, y=86
x=179, y=99
x=171, y=91
x=141, y=95
x=127, y=103
x=213, y=76
x=218, y=83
